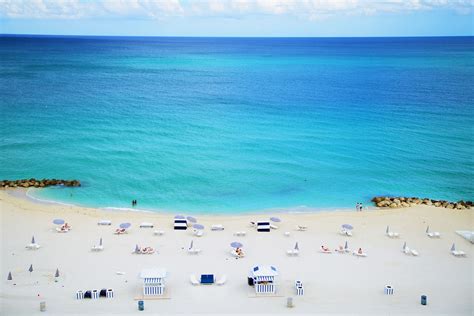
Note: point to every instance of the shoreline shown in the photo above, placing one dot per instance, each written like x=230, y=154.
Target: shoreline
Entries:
x=23, y=193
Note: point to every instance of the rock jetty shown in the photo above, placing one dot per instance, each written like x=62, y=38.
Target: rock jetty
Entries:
x=37, y=183
x=397, y=202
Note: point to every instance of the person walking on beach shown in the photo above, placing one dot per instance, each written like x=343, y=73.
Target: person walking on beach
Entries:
x=357, y=207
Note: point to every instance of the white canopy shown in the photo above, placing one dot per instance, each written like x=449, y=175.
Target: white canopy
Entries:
x=153, y=273
x=259, y=271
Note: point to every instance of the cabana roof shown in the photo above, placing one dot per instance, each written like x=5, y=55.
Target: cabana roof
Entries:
x=157, y=273
x=260, y=271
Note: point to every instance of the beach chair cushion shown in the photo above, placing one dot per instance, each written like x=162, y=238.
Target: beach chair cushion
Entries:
x=207, y=278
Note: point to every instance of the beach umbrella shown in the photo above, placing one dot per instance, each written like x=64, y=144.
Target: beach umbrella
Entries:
x=404, y=245
x=100, y=241
x=56, y=275
x=387, y=230
x=58, y=221
x=347, y=226
x=191, y=219
x=275, y=219
x=33, y=240
x=137, y=249
x=179, y=217
x=427, y=229
x=191, y=245
x=9, y=278
x=453, y=247
x=198, y=226
x=31, y=268
x=125, y=225
x=236, y=244
x=346, y=246
x=296, y=246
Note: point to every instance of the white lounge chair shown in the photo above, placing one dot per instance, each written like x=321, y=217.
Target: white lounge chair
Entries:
x=414, y=252
x=33, y=246
x=273, y=226
x=242, y=233
x=301, y=228
x=432, y=234
x=293, y=252
x=325, y=250
x=457, y=253
x=158, y=233
x=198, y=233
x=346, y=232
x=194, y=251
x=356, y=253
x=287, y=234
x=393, y=235
x=193, y=280
x=217, y=227
x=236, y=255
x=406, y=250
x=146, y=225
x=222, y=280
x=97, y=248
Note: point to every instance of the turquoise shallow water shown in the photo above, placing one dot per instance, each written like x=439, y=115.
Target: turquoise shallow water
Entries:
x=222, y=125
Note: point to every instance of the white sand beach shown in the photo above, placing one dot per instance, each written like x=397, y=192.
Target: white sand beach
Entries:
x=334, y=283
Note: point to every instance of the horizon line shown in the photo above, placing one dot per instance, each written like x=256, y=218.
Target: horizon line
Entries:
x=208, y=36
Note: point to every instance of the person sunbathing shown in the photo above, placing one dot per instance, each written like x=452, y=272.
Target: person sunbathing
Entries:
x=360, y=251
x=66, y=226
x=341, y=249
x=324, y=248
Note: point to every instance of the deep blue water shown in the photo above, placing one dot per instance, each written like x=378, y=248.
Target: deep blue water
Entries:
x=227, y=125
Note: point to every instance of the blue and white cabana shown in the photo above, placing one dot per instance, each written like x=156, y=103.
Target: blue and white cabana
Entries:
x=264, y=279
x=153, y=281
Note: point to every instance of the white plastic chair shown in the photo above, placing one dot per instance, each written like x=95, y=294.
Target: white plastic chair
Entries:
x=193, y=280
x=222, y=280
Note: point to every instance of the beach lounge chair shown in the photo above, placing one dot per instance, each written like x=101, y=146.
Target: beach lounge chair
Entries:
x=287, y=234
x=301, y=228
x=105, y=222
x=222, y=280
x=198, y=233
x=273, y=226
x=234, y=253
x=325, y=249
x=193, y=279
x=242, y=233
x=432, y=234
x=293, y=252
x=346, y=232
x=33, y=246
x=146, y=225
x=217, y=227
x=253, y=224
x=194, y=251
x=158, y=233
x=120, y=231
x=391, y=234
x=457, y=253
x=97, y=248
x=358, y=254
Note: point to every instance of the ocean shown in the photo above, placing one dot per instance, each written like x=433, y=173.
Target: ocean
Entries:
x=238, y=125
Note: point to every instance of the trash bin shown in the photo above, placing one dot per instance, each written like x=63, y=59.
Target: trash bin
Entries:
x=250, y=281
x=43, y=306
x=423, y=300
x=289, y=302
x=141, y=305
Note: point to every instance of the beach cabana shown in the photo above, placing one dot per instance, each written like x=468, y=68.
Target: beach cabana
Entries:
x=153, y=281
x=264, y=279
x=180, y=224
x=263, y=227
